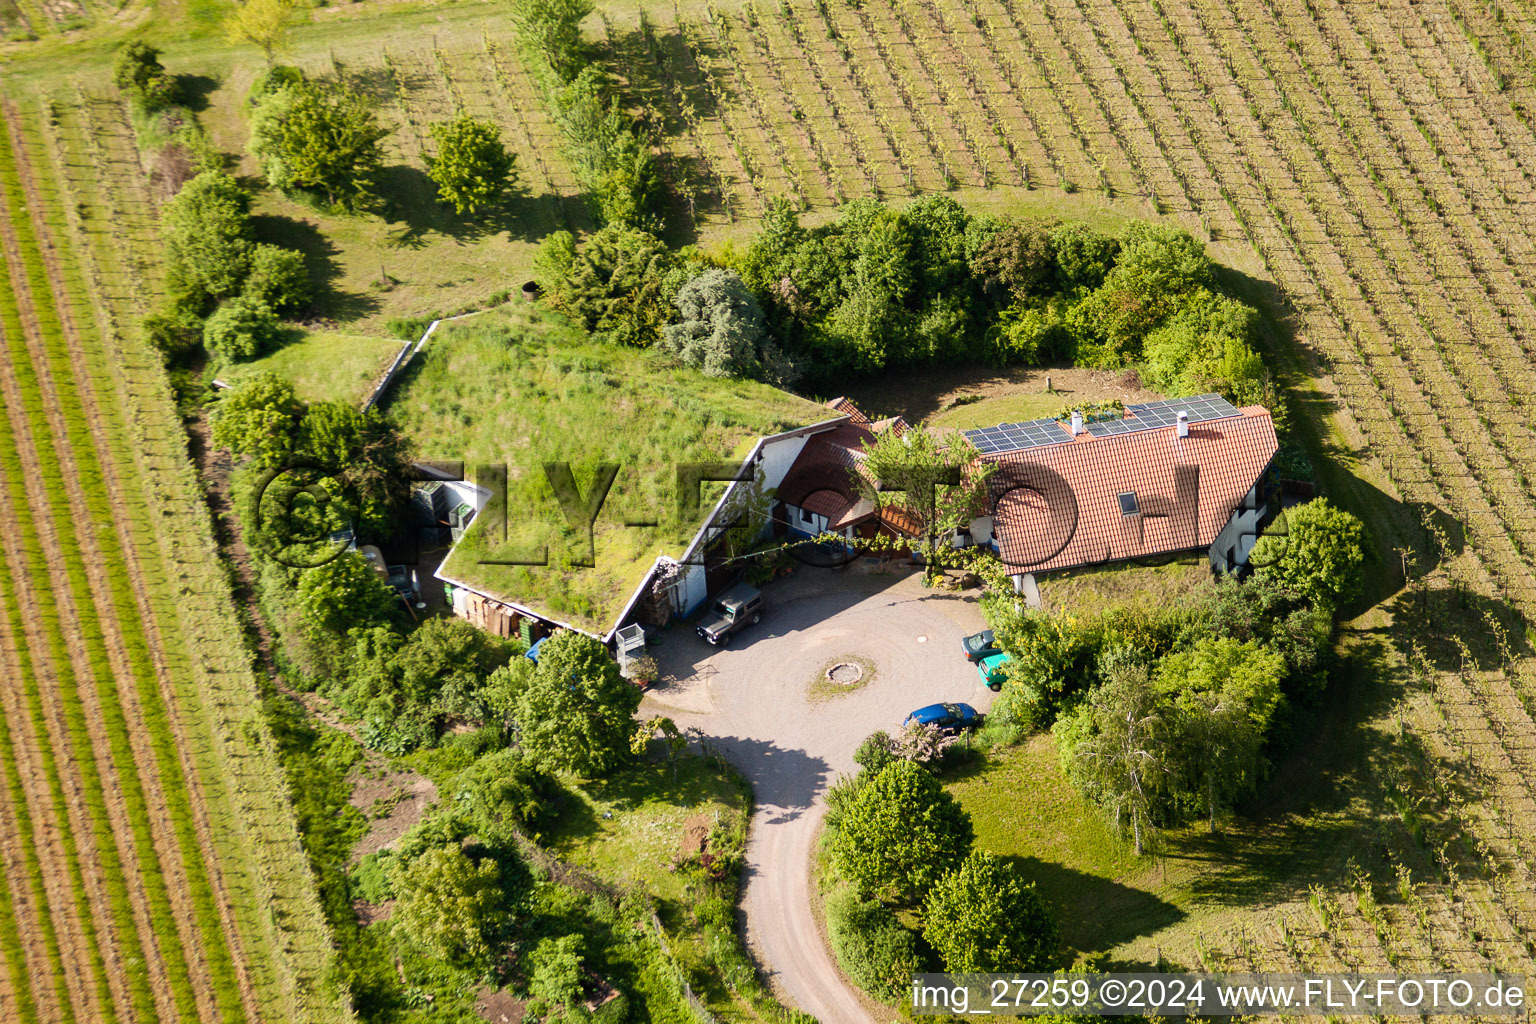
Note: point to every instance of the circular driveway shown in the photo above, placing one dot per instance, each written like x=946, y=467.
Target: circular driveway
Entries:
x=751, y=699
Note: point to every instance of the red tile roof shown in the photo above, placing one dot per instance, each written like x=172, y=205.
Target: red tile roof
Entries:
x=1058, y=507
x=847, y=408
x=826, y=463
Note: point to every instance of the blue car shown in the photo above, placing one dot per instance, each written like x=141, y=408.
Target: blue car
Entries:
x=950, y=718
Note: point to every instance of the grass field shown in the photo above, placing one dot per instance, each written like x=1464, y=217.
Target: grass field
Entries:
x=325, y=365
x=1364, y=168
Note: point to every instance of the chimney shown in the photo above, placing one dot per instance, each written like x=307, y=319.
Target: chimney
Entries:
x=1182, y=429
x=1077, y=422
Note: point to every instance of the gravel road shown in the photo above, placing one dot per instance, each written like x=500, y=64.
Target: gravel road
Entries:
x=751, y=700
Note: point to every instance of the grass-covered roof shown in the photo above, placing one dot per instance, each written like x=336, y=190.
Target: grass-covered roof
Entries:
x=520, y=388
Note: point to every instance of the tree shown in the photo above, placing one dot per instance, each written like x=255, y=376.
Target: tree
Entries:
x=611, y=159
x=939, y=484
x=345, y=593
x=455, y=908
x=308, y=136
x=208, y=237
x=1318, y=554
x=241, y=328
x=871, y=945
x=983, y=917
x=1015, y=264
x=371, y=457
x=259, y=417
x=615, y=285
x=552, y=29
x=138, y=72
x=279, y=277
x=1083, y=256
x=720, y=329
x=578, y=713
x=263, y=23
x=900, y=834
x=472, y=168
x=1115, y=749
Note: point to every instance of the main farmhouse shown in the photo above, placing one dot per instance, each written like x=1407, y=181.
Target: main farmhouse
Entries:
x=1161, y=479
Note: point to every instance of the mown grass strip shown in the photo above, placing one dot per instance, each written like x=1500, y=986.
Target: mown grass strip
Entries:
x=136, y=642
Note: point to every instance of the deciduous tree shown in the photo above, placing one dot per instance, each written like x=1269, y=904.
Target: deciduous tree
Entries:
x=984, y=917
x=309, y=136
x=259, y=417
x=939, y=484
x=472, y=169
x=1318, y=553
x=901, y=833
x=578, y=712
x=455, y=908
x=263, y=23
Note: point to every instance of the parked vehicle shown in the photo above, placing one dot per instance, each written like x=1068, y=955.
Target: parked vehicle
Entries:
x=950, y=718
x=980, y=645
x=992, y=671
x=731, y=612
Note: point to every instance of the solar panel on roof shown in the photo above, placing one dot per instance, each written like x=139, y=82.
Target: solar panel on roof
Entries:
x=1011, y=437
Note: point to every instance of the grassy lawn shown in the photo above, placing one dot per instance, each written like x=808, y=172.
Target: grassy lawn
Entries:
x=1087, y=591
x=629, y=828
x=1024, y=809
x=324, y=365
x=519, y=388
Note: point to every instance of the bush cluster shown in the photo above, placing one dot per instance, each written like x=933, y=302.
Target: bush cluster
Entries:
x=213, y=261
x=898, y=839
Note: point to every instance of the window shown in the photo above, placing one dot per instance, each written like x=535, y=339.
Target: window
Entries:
x=1128, y=505
x=805, y=517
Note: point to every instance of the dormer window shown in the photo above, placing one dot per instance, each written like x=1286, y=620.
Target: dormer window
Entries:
x=1128, y=504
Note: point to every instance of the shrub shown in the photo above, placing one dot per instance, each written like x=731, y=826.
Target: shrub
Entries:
x=138, y=72
x=472, y=168
x=208, y=238
x=875, y=752
x=371, y=879
x=875, y=951
x=901, y=833
x=274, y=78
x=983, y=917
x=279, y=277
x=173, y=332
x=240, y=329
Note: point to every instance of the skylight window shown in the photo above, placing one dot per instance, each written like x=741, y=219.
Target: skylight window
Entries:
x=1128, y=505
